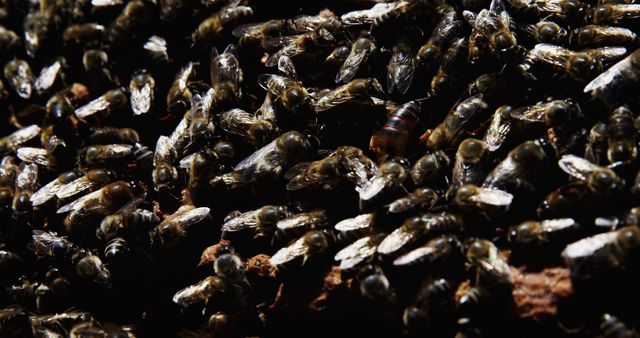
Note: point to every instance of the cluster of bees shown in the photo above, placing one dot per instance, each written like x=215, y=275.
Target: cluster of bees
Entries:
x=428, y=151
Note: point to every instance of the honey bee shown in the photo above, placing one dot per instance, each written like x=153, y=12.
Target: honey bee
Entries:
x=392, y=139
x=106, y=155
x=38, y=156
x=201, y=293
x=89, y=181
x=524, y=160
x=562, y=10
x=120, y=221
x=48, y=76
x=420, y=199
x=8, y=172
x=20, y=77
x=375, y=14
x=390, y=178
x=485, y=261
x=545, y=32
x=553, y=114
x=269, y=160
x=313, y=244
x=26, y=183
x=83, y=34
x=361, y=50
x=111, y=135
x=594, y=36
x=499, y=128
x=582, y=65
x=448, y=28
x=493, y=27
x=179, y=95
x=374, y=285
x=174, y=227
x=355, y=227
x=438, y=250
x=156, y=47
x=90, y=209
x=257, y=130
x=110, y=101
x=432, y=309
x=416, y=228
x=262, y=222
x=447, y=132
x=615, y=14
x=599, y=180
x=212, y=27
x=359, y=252
x=613, y=85
x=288, y=91
x=96, y=65
x=49, y=244
x=448, y=71
x=470, y=161
x=91, y=268
x=49, y=190
x=38, y=24
x=134, y=15
x=471, y=197
x=596, y=149
x=164, y=175
x=142, y=88
x=201, y=126
x=539, y=233
x=430, y=167
x=225, y=75
x=307, y=45
x=296, y=225
x=13, y=141
x=621, y=146
x=260, y=32
x=354, y=91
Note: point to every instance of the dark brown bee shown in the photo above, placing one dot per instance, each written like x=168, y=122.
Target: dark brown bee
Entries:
x=313, y=244
x=15, y=140
x=260, y=32
x=225, y=75
x=450, y=68
x=287, y=90
x=164, y=174
x=106, y=155
x=392, y=139
x=419, y=200
x=613, y=85
x=471, y=158
x=389, y=179
x=361, y=50
x=545, y=32
x=499, y=128
x=562, y=10
x=622, y=145
x=105, y=104
x=539, y=233
x=491, y=27
x=142, y=88
x=262, y=222
x=115, y=250
x=402, y=67
x=201, y=293
x=433, y=308
x=91, y=268
x=354, y=91
x=374, y=285
x=472, y=198
x=201, y=126
x=436, y=251
x=110, y=135
x=83, y=34
x=26, y=184
x=38, y=25
x=307, y=45
x=49, y=75
x=487, y=264
x=527, y=158
x=49, y=191
x=596, y=149
x=616, y=14
x=174, y=227
x=8, y=171
x=448, y=28
x=582, y=65
x=448, y=132
x=96, y=65
x=256, y=130
x=554, y=114
x=179, y=95
x=359, y=252
x=430, y=167
x=20, y=77
x=91, y=180
x=212, y=27
x=125, y=27
x=49, y=244
x=594, y=36
x=375, y=14
x=600, y=180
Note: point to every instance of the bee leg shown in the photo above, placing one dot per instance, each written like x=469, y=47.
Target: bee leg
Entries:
x=423, y=138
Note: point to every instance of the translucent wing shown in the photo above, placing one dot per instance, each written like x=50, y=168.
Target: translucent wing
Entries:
x=185, y=163
x=243, y=221
x=27, y=179
x=497, y=131
x=374, y=186
x=304, y=220
x=192, y=294
x=48, y=76
x=47, y=192
x=355, y=253
x=183, y=76
x=289, y=253
x=190, y=217
x=550, y=54
x=22, y=136
x=492, y=197
x=164, y=152
x=400, y=71
x=262, y=159
x=76, y=186
x=105, y=3
x=558, y=224
x=358, y=222
x=622, y=69
x=577, y=167
x=587, y=246
x=34, y=155
x=368, y=16
x=43, y=243
x=97, y=105
x=351, y=65
x=236, y=121
x=157, y=46
x=414, y=255
x=286, y=66
x=77, y=204
x=535, y=113
x=141, y=99
x=396, y=240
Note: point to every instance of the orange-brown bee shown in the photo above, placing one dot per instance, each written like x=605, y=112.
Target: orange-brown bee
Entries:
x=392, y=139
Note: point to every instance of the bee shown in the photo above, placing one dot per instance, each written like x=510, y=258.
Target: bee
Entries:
x=600, y=180
x=471, y=197
x=390, y=178
x=134, y=15
x=111, y=135
x=288, y=90
x=611, y=326
x=553, y=114
x=596, y=149
x=91, y=268
x=392, y=139
x=260, y=32
x=38, y=24
x=225, y=74
x=174, y=227
x=8, y=171
x=344, y=163
x=307, y=45
x=615, y=14
x=562, y=10
x=156, y=47
x=374, y=285
x=90, y=209
x=375, y=14
x=15, y=140
x=430, y=167
x=491, y=27
x=83, y=34
x=89, y=181
x=416, y=228
x=524, y=160
x=355, y=91
x=9, y=41
x=204, y=166
x=38, y=156
x=262, y=222
x=606, y=250
x=441, y=249
x=179, y=95
x=20, y=77
x=257, y=130
x=499, y=128
x=419, y=199
x=48, y=76
x=612, y=85
x=361, y=50
x=359, y=252
x=354, y=228
x=110, y=101
x=212, y=27
x=26, y=183
x=448, y=28
x=432, y=309
x=545, y=32
x=313, y=244
x=581, y=66
x=49, y=244
x=296, y=225
x=201, y=126
x=448, y=71
x=594, y=36
x=270, y=160
x=106, y=155
x=128, y=221
x=487, y=264
x=15, y=322
x=164, y=174
x=539, y=233
x=621, y=146
x=471, y=159
x=201, y=293
x=142, y=88
x=96, y=65
x=447, y=132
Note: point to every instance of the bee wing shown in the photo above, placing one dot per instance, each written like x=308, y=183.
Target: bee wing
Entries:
x=362, y=172
x=492, y=197
x=414, y=255
x=396, y=240
x=335, y=98
x=99, y=104
x=351, y=65
x=141, y=99
x=77, y=204
x=587, y=246
x=34, y=155
x=250, y=29
x=129, y=207
x=47, y=192
x=27, y=179
x=180, y=133
x=42, y=242
x=355, y=253
x=303, y=220
x=373, y=187
x=183, y=75
x=577, y=167
x=532, y=114
x=243, y=221
x=297, y=169
x=621, y=69
x=609, y=54
x=190, y=295
x=279, y=42
x=368, y=16
x=355, y=223
x=261, y=158
x=75, y=187
x=105, y=3
x=22, y=136
x=157, y=46
x=289, y=253
x=185, y=163
x=558, y=224
x=190, y=217
x=48, y=76
x=236, y=121
x=403, y=204
x=497, y=131
x=112, y=151
x=550, y=54
x=286, y=66
x=164, y=152
x=400, y=71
